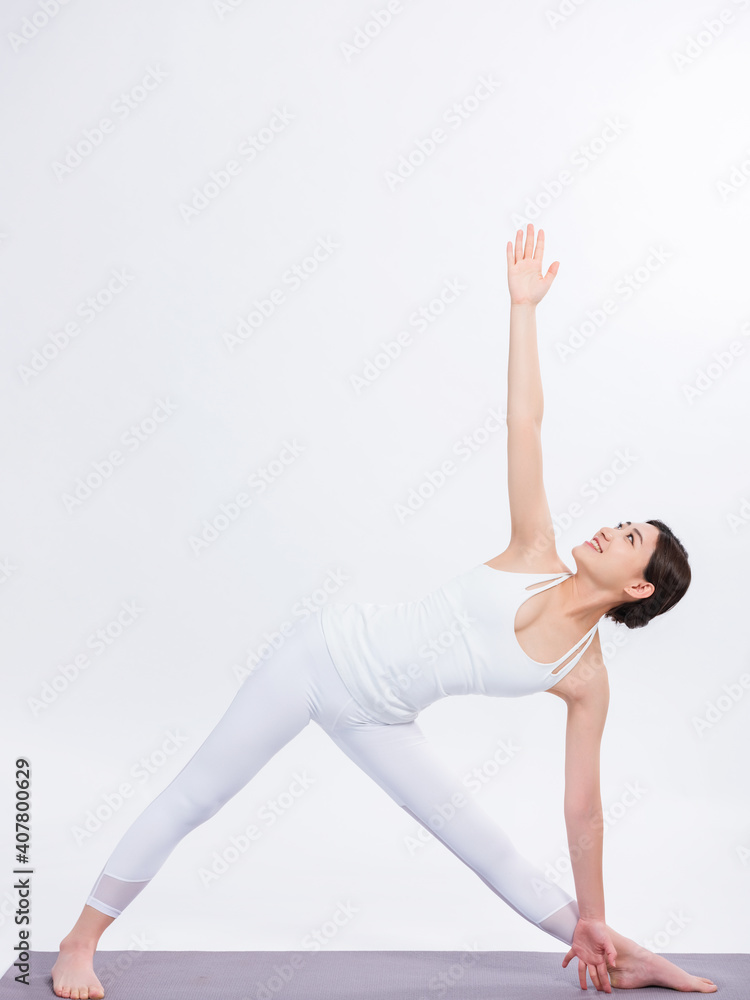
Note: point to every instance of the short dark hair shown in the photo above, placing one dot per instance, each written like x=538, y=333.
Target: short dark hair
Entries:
x=669, y=571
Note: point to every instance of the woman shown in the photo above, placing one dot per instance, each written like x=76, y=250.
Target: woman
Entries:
x=361, y=672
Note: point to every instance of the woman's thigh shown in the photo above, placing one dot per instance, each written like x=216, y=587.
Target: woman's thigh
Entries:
x=272, y=705
x=276, y=701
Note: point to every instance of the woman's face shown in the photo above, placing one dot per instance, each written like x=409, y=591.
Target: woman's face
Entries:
x=625, y=552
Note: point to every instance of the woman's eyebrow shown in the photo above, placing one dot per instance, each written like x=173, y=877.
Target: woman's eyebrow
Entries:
x=636, y=531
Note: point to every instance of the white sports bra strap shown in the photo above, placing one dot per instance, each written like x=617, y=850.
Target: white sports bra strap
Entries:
x=586, y=639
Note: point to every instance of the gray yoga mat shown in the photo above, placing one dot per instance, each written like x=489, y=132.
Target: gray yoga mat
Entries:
x=351, y=975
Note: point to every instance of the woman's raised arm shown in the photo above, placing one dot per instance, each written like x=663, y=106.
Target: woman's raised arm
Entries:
x=530, y=517
x=527, y=287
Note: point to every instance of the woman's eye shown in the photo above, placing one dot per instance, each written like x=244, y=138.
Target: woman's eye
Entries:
x=631, y=537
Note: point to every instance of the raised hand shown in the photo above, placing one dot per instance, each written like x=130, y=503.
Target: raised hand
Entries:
x=526, y=283
x=593, y=946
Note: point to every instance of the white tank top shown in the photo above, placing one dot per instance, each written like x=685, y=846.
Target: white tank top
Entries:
x=395, y=659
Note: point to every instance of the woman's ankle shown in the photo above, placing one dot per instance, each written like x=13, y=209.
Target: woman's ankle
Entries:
x=74, y=942
x=627, y=946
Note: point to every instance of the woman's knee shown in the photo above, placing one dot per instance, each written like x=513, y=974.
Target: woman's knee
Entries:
x=189, y=806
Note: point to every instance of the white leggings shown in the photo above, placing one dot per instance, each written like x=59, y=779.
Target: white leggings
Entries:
x=297, y=684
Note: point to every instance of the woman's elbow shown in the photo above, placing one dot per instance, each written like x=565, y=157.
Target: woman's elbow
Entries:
x=583, y=808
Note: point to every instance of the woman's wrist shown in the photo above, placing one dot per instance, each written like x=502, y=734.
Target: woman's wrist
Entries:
x=524, y=303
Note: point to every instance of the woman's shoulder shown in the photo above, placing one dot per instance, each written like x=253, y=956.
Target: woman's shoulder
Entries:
x=588, y=682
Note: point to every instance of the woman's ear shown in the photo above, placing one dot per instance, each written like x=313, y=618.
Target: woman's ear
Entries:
x=640, y=590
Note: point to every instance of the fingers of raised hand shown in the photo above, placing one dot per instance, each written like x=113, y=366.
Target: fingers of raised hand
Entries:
x=524, y=253
x=519, y=252
x=539, y=252
x=528, y=251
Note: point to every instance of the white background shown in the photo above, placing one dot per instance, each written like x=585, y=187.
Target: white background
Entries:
x=624, y=386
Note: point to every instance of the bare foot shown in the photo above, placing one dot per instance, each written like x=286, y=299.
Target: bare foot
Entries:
x=73, y=973
x=637, y=966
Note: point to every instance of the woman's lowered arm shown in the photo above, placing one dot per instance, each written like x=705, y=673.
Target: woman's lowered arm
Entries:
x=592, y=939
x=582, y=803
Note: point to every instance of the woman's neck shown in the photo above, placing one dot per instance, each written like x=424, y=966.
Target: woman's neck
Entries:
x=578, y=601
